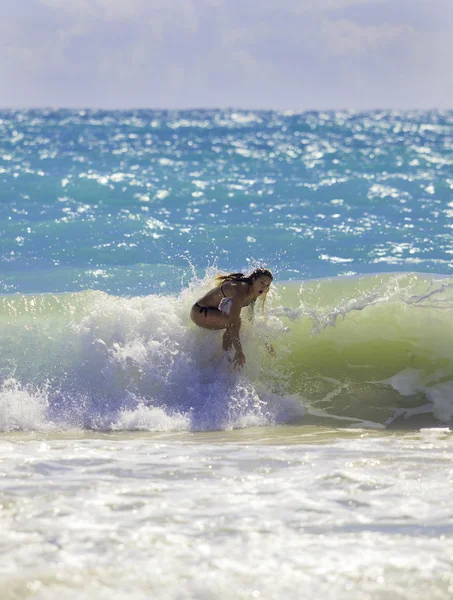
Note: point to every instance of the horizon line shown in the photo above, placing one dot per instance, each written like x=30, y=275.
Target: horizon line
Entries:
x=225, y=108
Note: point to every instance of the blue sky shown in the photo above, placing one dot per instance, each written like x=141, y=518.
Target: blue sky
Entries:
x=280, y=54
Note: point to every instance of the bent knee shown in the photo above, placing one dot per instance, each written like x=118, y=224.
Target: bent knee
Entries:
x=236, y=325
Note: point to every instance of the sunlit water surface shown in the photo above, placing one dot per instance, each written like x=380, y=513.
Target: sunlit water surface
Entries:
x=133, y=462
x=292, y=512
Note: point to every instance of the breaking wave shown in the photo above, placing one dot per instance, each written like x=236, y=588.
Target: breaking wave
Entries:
x=363, y=351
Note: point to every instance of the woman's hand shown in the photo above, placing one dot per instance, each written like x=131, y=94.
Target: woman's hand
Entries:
x=239, y=360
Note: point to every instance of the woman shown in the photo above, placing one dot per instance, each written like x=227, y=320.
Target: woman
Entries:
x=221, y=307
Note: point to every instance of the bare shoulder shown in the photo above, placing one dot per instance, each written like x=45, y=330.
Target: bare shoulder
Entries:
x=235, y=289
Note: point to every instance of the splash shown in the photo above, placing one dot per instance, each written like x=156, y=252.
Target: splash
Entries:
x=372, y=350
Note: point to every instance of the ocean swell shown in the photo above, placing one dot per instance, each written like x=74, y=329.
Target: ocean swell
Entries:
x=372, y=350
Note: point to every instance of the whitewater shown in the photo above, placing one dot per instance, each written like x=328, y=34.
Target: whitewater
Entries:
x=369, y=350
x=134, y=460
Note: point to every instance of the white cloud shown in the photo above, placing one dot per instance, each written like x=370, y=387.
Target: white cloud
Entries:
x=287, y=53
x=347, y=38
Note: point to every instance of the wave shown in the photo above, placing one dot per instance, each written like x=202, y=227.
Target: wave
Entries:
x=373, y=351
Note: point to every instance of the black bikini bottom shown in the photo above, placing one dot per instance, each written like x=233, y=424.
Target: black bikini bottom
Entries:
x=204, y=308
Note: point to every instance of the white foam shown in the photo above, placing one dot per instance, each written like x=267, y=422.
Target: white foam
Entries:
x=22, y=409
x=407, y=382
x=413, y=381
x=441, y=395
x=141, y=363
x=146, y=418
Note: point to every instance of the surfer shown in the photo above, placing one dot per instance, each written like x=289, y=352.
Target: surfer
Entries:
x=221, y=307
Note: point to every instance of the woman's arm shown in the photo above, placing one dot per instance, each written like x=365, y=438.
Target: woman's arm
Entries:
x=234, y=325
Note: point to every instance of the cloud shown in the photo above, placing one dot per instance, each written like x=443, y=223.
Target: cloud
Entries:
x=287, y=53
x=347, y=38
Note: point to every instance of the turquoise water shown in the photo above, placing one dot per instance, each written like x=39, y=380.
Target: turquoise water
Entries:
x=134, y=462
x=114, y=223
x=132, y=202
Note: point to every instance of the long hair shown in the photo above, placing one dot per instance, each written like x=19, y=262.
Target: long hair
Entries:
x=241, y=278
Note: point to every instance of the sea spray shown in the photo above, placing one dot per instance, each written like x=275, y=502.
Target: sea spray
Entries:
x=344, y=350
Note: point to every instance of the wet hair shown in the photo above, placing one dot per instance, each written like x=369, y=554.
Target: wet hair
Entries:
x=240, y=277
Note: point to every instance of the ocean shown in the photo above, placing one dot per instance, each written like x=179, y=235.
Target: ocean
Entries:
x=134, y=460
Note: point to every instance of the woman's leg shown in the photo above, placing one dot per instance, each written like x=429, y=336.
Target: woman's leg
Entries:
x=209, y=318
x=227, y=340
x=212, y=318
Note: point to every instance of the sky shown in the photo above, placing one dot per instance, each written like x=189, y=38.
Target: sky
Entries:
x=249, y=54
